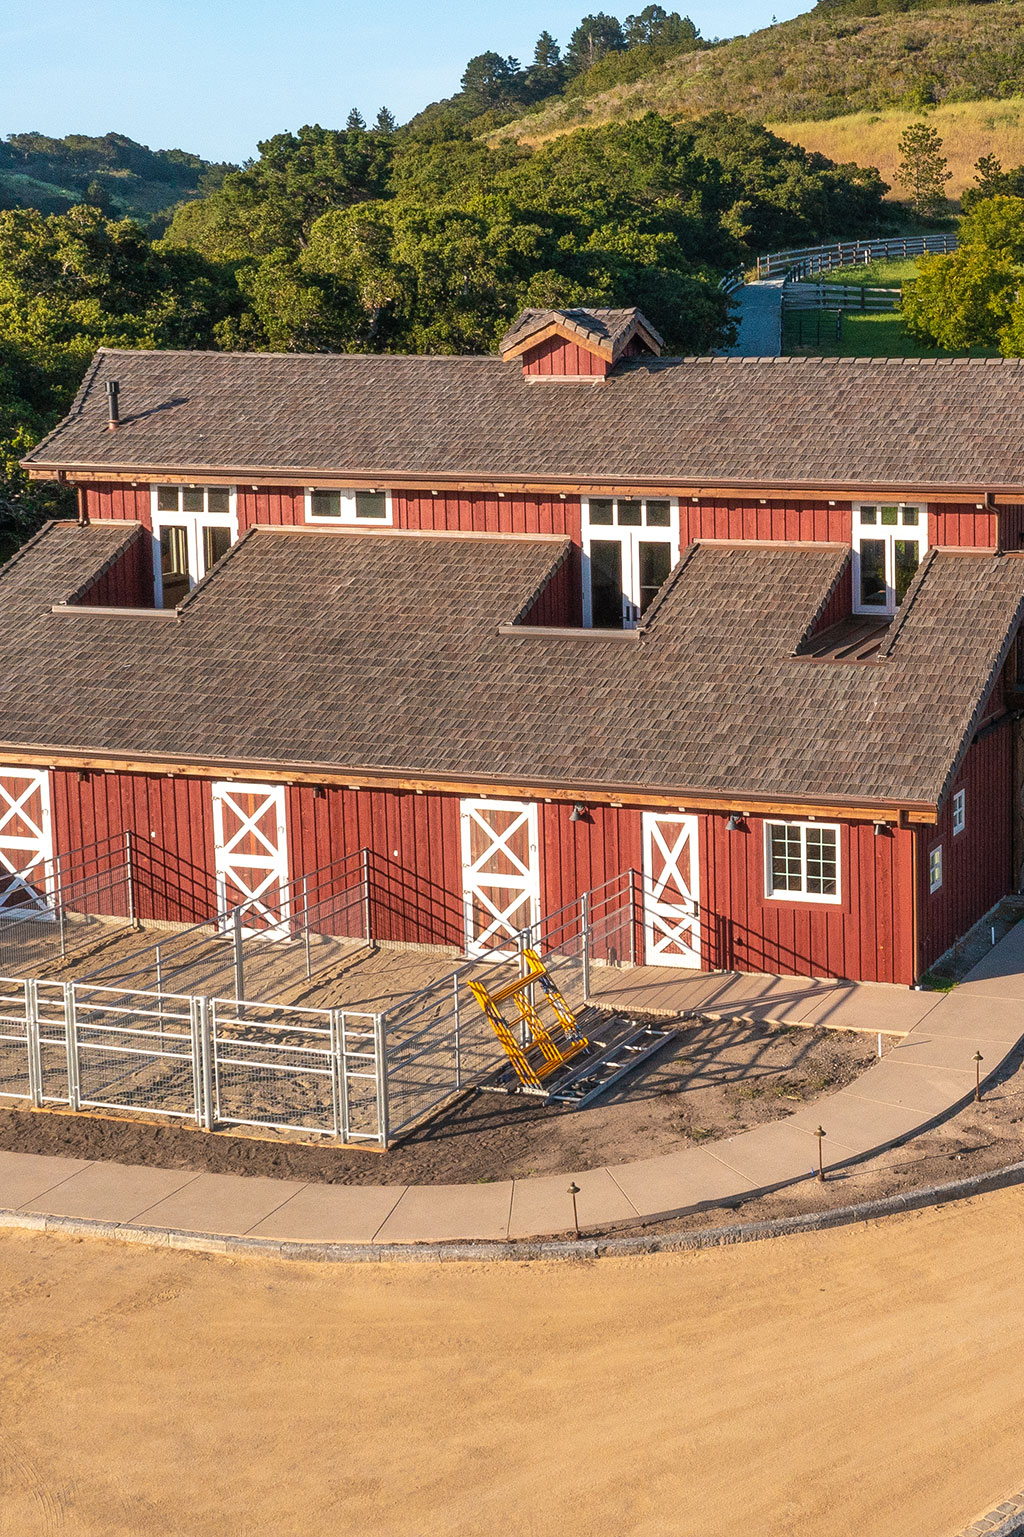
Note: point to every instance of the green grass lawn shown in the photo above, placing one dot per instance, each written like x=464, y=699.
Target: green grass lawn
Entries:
x=874, y=274
x=863, y=336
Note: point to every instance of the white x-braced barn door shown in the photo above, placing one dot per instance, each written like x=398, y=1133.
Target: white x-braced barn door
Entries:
x=26, y=843
x=500, y=873
x=251, y=854
x=671, y=890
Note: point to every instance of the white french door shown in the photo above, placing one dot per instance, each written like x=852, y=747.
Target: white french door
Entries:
x=671, y=879
x=26, y=843
x=251, y=855
x=629, y=548
x=889, y=543
x=500, y=873
x=193, y=526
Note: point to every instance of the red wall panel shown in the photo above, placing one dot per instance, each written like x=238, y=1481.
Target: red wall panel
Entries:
x=963, y=526
x=128, y=581
x=277, y=506
x=977, y=863
x=867, y=936
x=815, y=523
x=487, y=513
x=557, y=356
x=171, y=821
x=119, y=502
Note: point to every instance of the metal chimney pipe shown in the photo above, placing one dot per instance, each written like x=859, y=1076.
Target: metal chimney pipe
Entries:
x=113, y=413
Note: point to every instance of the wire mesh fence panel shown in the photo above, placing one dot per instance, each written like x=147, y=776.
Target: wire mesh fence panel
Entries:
x=134, y=1050
x=280, y=1066
x=14, y=1054
x=86, y=899
x=52, y=1043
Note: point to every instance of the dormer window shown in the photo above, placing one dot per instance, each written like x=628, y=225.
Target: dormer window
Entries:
x=630, y=545
x=193, y=526
x=889, y=542
x=349, y=507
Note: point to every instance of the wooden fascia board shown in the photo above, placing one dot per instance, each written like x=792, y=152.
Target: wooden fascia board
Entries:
x=425, y=482
x=899, y=812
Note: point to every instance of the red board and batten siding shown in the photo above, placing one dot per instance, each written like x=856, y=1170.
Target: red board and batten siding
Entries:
x=127, y=582
x=810, y=523
x=977, y=863
x=171, y=821
x=867, y=936
x=133, y=503
x=556, y=356
x=417, y=867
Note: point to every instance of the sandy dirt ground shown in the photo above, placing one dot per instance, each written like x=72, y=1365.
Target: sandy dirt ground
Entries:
x=860, y=1383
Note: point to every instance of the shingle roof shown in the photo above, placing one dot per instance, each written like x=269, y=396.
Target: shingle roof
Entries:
x=607, y=331
x=708, y=421
x=383, y=653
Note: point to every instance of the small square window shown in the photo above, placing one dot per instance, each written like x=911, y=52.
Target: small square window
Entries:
x=325, y=504
x=890, y=515
x=935, y=869
x=371, y=504
x=601, y=511
x=191, y=499
x=167, y=498
x=659, y=514
x=802, y=861
x=869, y=515
x=910, y=517
x=218, y=500
x=959, y=811
x=629, y=514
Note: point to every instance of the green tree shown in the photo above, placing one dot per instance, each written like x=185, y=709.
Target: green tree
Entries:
x=971, y=298
x=656, y=25
x=386, y=122
x=490, y=80
x=355, y=122
x=546, y=53
x=923, y=168
x=593, y=38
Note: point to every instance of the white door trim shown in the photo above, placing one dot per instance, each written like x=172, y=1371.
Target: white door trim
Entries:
x=256, y=882
x=481, y=890
x=671, y=927
x=193, y=523
x=26, y=859
x=629, y=537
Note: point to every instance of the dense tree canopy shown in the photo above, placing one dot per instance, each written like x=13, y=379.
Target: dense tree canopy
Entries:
x=972, y=298
x=373, y=239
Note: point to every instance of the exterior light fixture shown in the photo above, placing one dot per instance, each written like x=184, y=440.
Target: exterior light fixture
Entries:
x=734, y=823
x=881, y=829
x=579, y=813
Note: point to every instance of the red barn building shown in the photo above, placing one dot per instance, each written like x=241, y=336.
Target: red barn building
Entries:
x=520, y=623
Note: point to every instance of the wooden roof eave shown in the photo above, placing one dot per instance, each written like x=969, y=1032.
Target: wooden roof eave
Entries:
x=876, y=809
x=260, y=477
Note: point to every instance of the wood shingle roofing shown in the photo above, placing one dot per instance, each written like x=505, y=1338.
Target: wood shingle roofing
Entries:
x=835, y=423
x=382, y=654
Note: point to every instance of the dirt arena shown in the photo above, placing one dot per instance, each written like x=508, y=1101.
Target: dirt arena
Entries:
x=860, y=1383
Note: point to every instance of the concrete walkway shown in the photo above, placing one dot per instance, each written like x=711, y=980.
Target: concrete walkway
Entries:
x=925, y=1077
x=760, y=320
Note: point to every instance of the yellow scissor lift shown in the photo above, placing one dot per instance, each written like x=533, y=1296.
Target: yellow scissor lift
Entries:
x=555, y=1058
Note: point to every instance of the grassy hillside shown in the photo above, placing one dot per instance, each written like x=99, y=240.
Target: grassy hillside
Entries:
x=112, y=172
x=968, y=131
x=820, y=66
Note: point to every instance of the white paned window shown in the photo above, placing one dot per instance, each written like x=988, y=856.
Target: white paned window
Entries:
x=959, y=811
x=802, y=861
x=630, y=545
x=367, y=507
x=935, y=869
x=193, y=526
x=889, y=542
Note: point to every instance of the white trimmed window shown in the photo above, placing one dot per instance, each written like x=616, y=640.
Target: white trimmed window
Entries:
x=959, y=811
x=367, y=507
x=629, y=547
x=801, y=861
x=193, y=526
x=935, y=869
x=890, y=540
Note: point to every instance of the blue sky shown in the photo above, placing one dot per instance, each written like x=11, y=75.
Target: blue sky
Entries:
x=215, y=76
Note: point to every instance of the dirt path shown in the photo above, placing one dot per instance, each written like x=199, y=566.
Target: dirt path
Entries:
x=861, y=1383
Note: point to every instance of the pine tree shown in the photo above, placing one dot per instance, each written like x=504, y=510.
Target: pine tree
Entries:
x=356, y=120
x=386, y=121
x=923, y=168
x=546, y=53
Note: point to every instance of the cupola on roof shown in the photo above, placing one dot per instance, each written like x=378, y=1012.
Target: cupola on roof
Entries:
x=607, y=333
